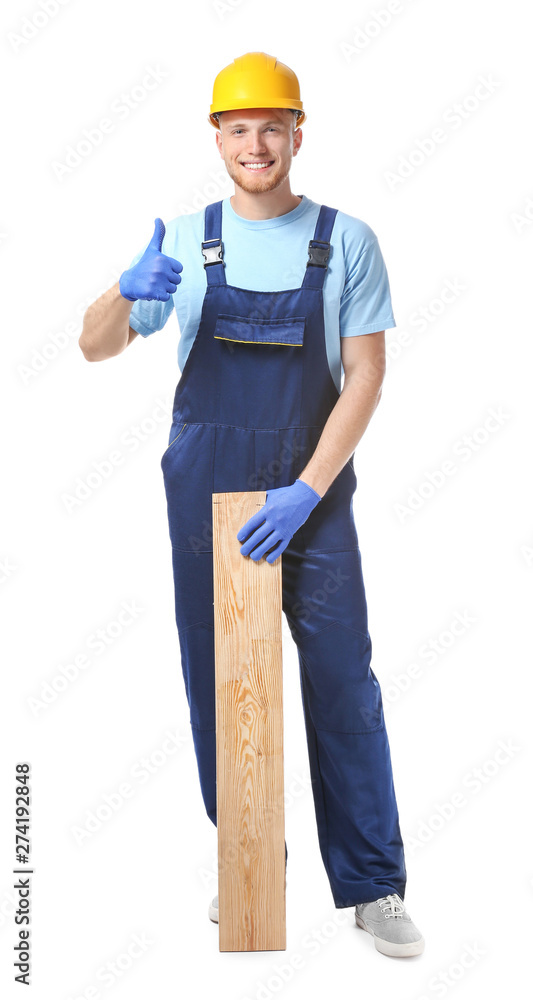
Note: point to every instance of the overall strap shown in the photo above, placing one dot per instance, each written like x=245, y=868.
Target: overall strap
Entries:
x=212, y=247
x=319, y=249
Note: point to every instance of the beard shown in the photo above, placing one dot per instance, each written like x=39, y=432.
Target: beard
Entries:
x=256, y=185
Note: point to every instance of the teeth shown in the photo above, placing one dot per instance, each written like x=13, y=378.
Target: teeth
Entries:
x=256, y=166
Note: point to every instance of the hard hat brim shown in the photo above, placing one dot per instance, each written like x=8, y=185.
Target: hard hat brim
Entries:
x=238, y=106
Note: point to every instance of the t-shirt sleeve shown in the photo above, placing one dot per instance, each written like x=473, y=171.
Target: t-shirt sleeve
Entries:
x=365, y=305
x=148, y=317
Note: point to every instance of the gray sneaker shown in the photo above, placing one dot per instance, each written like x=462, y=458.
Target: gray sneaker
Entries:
x=388, y=921
x=213, y=910
x=213, y=906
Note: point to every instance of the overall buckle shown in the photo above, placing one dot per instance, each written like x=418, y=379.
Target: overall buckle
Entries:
x=319, y=251
x=212, y=254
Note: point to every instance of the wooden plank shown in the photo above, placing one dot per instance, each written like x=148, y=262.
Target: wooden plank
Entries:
x=249, y=738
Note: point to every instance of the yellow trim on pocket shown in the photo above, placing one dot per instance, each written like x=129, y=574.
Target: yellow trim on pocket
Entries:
x=177, y=436
x=167, y=449
x=275, y=343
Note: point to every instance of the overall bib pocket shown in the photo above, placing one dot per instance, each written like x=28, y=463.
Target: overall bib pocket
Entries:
x=265, y=356
x=284, y=332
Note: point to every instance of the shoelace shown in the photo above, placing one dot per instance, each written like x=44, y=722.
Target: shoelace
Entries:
x=392, y=903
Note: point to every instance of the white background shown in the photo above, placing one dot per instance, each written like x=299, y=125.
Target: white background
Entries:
x=459, y=217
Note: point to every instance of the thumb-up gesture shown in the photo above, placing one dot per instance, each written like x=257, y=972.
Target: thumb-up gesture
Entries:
x=154, y=276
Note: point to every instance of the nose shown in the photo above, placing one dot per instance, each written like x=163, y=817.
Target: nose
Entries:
x=256, y=144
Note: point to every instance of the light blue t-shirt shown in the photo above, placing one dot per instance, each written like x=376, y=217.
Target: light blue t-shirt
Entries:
x=271, y=255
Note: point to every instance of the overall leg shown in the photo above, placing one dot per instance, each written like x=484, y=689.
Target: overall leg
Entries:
x=349, y=757
x=193, y=588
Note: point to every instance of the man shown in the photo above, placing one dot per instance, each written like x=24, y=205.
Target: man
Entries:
x=259, y=406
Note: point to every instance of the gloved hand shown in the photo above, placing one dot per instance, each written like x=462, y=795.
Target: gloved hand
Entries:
x=154, y=276
x=284, y=511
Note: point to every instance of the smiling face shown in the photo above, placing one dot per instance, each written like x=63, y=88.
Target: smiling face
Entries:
x=257, y=146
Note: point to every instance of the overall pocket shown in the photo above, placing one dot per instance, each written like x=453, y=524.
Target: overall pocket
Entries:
x=187, y=468
x=284, y=332
x=176, y=432
x=259, y=365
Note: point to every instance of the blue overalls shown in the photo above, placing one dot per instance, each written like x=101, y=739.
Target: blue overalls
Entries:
x=249, y=409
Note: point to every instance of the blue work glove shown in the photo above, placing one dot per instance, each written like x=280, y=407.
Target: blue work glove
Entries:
x=154, y=276
x=285, y=510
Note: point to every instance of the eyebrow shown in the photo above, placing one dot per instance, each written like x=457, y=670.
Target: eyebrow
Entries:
x=272, y=121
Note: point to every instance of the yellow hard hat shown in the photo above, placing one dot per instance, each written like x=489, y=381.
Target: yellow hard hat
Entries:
x=256, y=80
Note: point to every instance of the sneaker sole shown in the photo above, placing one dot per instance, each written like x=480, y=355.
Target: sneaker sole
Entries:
x=390, y=948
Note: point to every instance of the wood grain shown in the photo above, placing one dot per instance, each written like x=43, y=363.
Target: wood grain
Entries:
x=249, y=735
